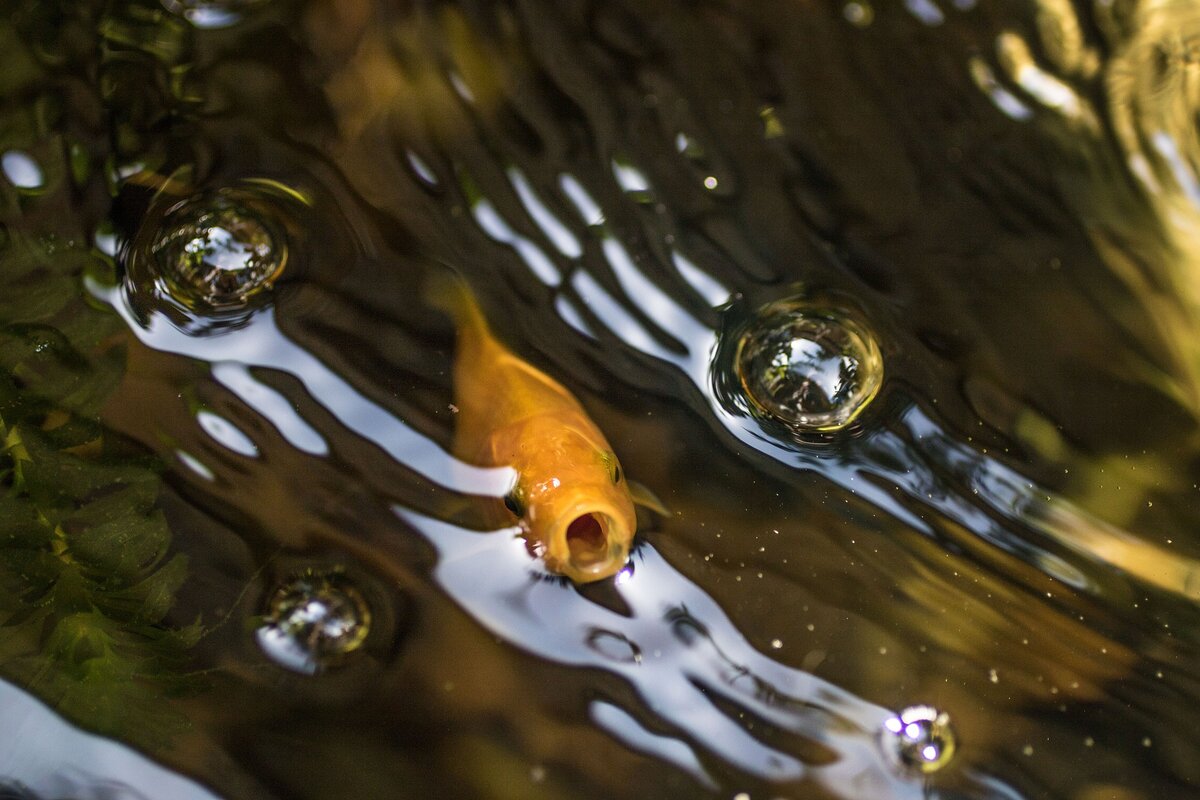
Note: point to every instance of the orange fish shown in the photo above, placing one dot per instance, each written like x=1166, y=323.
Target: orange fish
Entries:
x=571, y=498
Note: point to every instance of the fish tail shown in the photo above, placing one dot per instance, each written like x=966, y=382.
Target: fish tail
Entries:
x=449, y=292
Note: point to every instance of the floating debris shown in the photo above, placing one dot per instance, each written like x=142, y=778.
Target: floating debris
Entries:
x=811, y=368
x=919, y=738
x=314, y=620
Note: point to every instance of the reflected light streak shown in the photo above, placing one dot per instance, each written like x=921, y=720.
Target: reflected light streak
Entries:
x=261, y=344
x=545, y=219
x=44, y=753
x=1000, y=495
x=686, y=642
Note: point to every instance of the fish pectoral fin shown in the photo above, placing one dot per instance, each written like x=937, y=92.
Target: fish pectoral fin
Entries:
x=642, y=496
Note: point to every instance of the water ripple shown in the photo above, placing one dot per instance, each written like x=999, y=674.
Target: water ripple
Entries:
x=689, y=648
x=260, y=344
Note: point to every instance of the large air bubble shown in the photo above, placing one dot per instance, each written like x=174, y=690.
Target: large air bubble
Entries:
x=216, y=252
x=811, y=368
x=212, y=259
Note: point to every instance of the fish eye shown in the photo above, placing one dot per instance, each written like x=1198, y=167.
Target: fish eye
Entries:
x=613, y=466
x=513, y=504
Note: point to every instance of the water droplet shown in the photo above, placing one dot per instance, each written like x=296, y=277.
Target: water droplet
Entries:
x=919, y=738
x=814, y=369
x=312, y=621
x=215, y=252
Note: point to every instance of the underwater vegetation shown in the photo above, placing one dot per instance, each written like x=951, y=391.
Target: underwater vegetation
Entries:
x=87, y=578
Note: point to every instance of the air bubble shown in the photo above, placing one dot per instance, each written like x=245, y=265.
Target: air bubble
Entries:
x=919, y=738
x=811, y=368
x=213, y=252
x=312, y=621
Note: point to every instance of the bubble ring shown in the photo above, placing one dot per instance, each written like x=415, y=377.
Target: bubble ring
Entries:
x=809, y=366
x=210, y=260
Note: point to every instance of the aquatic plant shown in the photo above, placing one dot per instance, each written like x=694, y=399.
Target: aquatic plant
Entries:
x=85, y=575
x=86, y=579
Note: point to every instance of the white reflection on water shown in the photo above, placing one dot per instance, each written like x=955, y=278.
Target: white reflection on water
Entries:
x=43, y=753
x=545, y=219
x=893, y=469
x=688, y=652
x=260, y=344
x=621, y=725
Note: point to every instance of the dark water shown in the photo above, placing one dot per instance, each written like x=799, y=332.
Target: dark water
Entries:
x=1003, y=197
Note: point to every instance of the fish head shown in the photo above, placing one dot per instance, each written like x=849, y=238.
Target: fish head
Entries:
x=578, y=515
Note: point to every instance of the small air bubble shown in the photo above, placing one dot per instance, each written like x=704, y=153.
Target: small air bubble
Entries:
x=313, y=620
x=919, y=738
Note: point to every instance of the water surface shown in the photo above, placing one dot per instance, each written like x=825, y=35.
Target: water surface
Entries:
x=220, y=380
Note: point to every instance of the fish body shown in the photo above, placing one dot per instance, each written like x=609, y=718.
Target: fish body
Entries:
x=571, y=498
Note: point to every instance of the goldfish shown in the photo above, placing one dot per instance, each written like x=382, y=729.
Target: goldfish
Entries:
x=571, y=499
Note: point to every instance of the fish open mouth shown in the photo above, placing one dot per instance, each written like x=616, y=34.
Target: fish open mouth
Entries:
x=588, y=546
